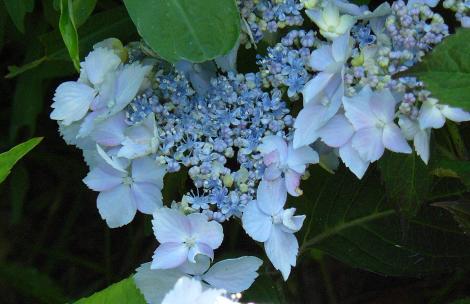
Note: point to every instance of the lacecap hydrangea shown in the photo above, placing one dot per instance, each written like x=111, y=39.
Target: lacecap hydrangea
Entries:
x=137, y=118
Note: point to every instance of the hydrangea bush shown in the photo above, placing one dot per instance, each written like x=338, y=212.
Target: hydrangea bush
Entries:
x=333, y=87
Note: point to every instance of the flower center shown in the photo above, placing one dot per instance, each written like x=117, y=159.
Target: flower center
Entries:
x=127, y=180
x=190, y=242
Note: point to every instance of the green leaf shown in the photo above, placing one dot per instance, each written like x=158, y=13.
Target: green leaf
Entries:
x=262, y=291
x=461, y=212
x=446, y=70
x=453, y=168
x=82, y=9
x=351, y=220
x=31, y=283
x=124, y=291
x=17, y=10
x=407, y=180
x=184, y=29
x=110, y=23
x=69, y=31
x=8, y=159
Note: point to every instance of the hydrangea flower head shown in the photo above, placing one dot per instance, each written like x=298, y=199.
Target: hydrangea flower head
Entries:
x=183, y=237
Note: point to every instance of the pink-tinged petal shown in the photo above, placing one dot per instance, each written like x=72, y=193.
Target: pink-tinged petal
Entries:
x=200, y=249
x=394, y=140
x=210, y=233
x=353, y=160
x=99, y=63
x=103, y=178
x=272, y=172
x=421, y=142
x=147, y=170
x=71, y=102
x=297, y=159
x=430, y=117
x=358, y=110
x=170, y=225
x=169, y=255
x=271, y=196
x=313, y=89
x=455, y=114
x=337, y=131
x=293, y=183
x=116, y=206
x=309, y=120
x=148, y=197
x=322, y=58
x=282, y=249
x=273, y=143
x=233, y=275
x=368, y=143
x=271, y=158
x=256, y=223
x=340, y=48
x=383, y=105
x=111, y=131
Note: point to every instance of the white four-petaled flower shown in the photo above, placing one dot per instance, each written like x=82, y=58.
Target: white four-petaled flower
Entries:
x=372, y=116
x=265, y=220
x=123, y=191
x=183, y=237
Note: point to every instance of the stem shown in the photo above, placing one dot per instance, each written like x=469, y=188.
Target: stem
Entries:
x=326, y=234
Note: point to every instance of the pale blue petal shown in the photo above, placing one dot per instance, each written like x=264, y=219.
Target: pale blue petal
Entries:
x=111, y=131
x=169, y=255
x=98, y=63
x=394, y=139
x=368, y=143
x=233, y=275
x=170, y=225
x=71, y=102
x=337, y=131
x=200, y=249
x=148, y=197
x=421, y=142
x=147, y=170
x=204, y=231
x=198, y=268
x=103, y=178
x=116, y=206
x=271, y=196
x=154, y=284
x=353, y=160
x=430, y=117
x=282, y=249
x=256, y=223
